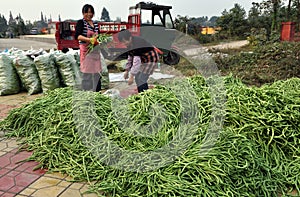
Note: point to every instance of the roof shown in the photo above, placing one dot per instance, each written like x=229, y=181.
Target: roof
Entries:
x=150, y=6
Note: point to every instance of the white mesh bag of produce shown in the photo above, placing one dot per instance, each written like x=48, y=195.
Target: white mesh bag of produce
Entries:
x=68, y=69
x=28, y=74
x=48, y=71
x=9, y=80
x=104, y=74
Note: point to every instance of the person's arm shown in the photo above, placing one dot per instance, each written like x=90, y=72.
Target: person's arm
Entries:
x=128, y=66
x=79, y=28
x=136, y=64
x=129, y=63
x=79, y=32
x=95, y=23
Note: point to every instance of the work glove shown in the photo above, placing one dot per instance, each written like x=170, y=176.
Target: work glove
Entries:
x=94, y=41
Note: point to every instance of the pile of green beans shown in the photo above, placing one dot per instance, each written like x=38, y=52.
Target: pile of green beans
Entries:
x=256, y=154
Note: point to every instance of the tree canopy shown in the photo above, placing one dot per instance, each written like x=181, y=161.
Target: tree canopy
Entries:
x=105, y=15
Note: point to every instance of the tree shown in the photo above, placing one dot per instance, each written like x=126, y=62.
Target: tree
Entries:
x=105, y=15
x=3, y=26
x=200, y=21
x=11, y=19
x=288, y=16
x=29, y=26
x=258, y=19
x=233, y=23
x=294, y=12
x=272, y=7
x=12, y=25
x=213, y=20
x=42, y=17
x=20, y=28
x=298, y=14
x=180, y=23
x=276, y=4
x=16, y=26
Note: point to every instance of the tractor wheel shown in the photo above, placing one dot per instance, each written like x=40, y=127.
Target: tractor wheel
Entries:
x=171, y=58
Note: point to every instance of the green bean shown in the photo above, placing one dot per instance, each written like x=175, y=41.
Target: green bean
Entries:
x=256, y=154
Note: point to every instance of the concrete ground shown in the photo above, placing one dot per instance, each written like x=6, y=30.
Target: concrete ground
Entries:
x=28, y=42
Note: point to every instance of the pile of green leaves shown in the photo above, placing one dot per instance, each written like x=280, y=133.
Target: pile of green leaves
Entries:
x=256, y=154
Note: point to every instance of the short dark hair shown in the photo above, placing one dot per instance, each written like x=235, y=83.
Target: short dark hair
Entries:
x=124, y=34
x=86, y=7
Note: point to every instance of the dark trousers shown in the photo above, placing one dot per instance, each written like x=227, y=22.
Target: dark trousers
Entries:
x=91, y=82
x=141, y=80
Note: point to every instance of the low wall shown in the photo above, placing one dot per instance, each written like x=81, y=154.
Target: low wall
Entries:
x=49, y=38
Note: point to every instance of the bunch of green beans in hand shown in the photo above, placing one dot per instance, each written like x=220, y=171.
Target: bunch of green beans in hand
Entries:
x=101, y=39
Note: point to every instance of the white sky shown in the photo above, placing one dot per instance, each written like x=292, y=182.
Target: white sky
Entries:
x=71, y=9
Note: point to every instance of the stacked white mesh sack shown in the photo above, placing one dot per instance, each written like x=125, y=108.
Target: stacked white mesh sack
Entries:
x=37, y=71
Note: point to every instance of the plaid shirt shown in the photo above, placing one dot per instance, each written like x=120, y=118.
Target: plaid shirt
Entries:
x=142, y=56
x=146, y=63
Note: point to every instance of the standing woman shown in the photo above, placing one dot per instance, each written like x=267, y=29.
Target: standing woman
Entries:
x=87, y=32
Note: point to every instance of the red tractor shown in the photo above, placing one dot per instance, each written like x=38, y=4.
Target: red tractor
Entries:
x=148, y=20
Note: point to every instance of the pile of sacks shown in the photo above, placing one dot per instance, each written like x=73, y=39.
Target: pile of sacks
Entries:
x=40, y=71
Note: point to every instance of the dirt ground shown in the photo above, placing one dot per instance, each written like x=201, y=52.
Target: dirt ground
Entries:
x=233, y=44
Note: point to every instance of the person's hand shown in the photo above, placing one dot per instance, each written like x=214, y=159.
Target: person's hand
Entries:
x=126, y=74
x=94, y=41
x=130, y=80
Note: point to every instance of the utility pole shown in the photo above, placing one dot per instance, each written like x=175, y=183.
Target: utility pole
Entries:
x=186, y=28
